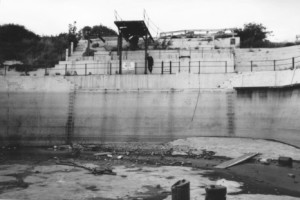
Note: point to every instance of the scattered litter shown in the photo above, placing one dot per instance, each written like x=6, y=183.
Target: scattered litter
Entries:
x=265, y=161
x=101, y=154
x=236, y=161
x=179, y=153
x=292, y=175
x=120, y=157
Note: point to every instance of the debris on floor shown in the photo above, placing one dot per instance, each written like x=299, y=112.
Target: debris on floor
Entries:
x=93, y=170
x=285, y=161
x=236, y=161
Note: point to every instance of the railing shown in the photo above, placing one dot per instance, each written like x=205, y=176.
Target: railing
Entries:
x=164, y=67
x=273, y=65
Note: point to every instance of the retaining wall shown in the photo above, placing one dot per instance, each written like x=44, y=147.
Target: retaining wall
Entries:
x=154, y=108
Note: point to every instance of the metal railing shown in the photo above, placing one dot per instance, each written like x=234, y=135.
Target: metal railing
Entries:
x=163, y=67
x=273, y=65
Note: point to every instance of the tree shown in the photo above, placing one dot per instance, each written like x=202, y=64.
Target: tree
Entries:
x=73, y=35
x=253, y=35
x=103, y=31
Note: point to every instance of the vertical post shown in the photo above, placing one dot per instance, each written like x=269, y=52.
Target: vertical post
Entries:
x=72, y=48
x=135, y=71
x=67, y=54
x=251, y=65
x=66, y=69
x=226, y=67
x=199, y=67
x=120, y=40
x=170, y=67
x=189, y=66
x=46, y=71
x=293, y=61
x=5, y=68
x=274, y=65
x=179, y=66
x=85, y=69
x=146, y=49
x=162, y=67
x=110, y=65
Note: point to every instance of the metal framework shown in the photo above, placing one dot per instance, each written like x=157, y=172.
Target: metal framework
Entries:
x=198, y=33
x=129, y=30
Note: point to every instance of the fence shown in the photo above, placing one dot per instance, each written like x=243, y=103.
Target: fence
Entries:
x=163, y=67
x=274, y=65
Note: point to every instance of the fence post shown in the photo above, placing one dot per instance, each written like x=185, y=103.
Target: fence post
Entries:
x=85, y=70
x=274, y=65
x=199, y=67
x=135, y=71
x=5, y=68
x=226, y=67
x=110, y=66
x=66, y=69
x=293, y=59
x=251, y=65
x=179, y=66
x=170, y=67
x=162, y=67
x=189, y=66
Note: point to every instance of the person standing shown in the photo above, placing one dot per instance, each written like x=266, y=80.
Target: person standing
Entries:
x=150, y=63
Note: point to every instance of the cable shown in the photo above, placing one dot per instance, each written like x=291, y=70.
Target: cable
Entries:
x=196, y=102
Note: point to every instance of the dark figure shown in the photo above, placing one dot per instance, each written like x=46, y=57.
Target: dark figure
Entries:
x=150, y=63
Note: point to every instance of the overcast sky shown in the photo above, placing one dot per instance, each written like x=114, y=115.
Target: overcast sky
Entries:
x=51, y=17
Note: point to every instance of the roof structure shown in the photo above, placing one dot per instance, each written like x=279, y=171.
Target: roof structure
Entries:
x=131, y=29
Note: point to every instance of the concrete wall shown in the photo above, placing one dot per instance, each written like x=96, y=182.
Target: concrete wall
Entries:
x=36, y=110
x=263, y=79
x=33, y=111
x=263, y=58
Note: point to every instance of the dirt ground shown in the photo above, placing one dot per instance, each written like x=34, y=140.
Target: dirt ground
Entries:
x=147, y=171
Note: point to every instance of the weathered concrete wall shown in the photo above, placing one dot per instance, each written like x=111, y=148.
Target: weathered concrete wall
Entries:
x=150, y=82
x=40, y=110
x=263, y=79
x=33, y=111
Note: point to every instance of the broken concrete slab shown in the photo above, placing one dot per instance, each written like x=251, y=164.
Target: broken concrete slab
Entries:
x=236, y=161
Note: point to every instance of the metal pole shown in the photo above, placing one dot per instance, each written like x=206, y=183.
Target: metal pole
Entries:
x=189, y=66
x=199, y=67
x=179, y=66
x=274, y=65
x=135, y=68
x=146, y=48
x=110, y=66
x=85, y=69
x=170, y=67
x=226, y=67
x=162, y=67
x=66, y=69
x=120, y=51
x=293, y=59
x=251, y=65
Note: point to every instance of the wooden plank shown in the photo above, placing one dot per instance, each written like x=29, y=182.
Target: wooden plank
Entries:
x=236, y=161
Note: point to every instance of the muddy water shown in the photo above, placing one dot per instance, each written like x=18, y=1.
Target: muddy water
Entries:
x=152, y=116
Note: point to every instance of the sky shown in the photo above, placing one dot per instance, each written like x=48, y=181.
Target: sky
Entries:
x=51, y=17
